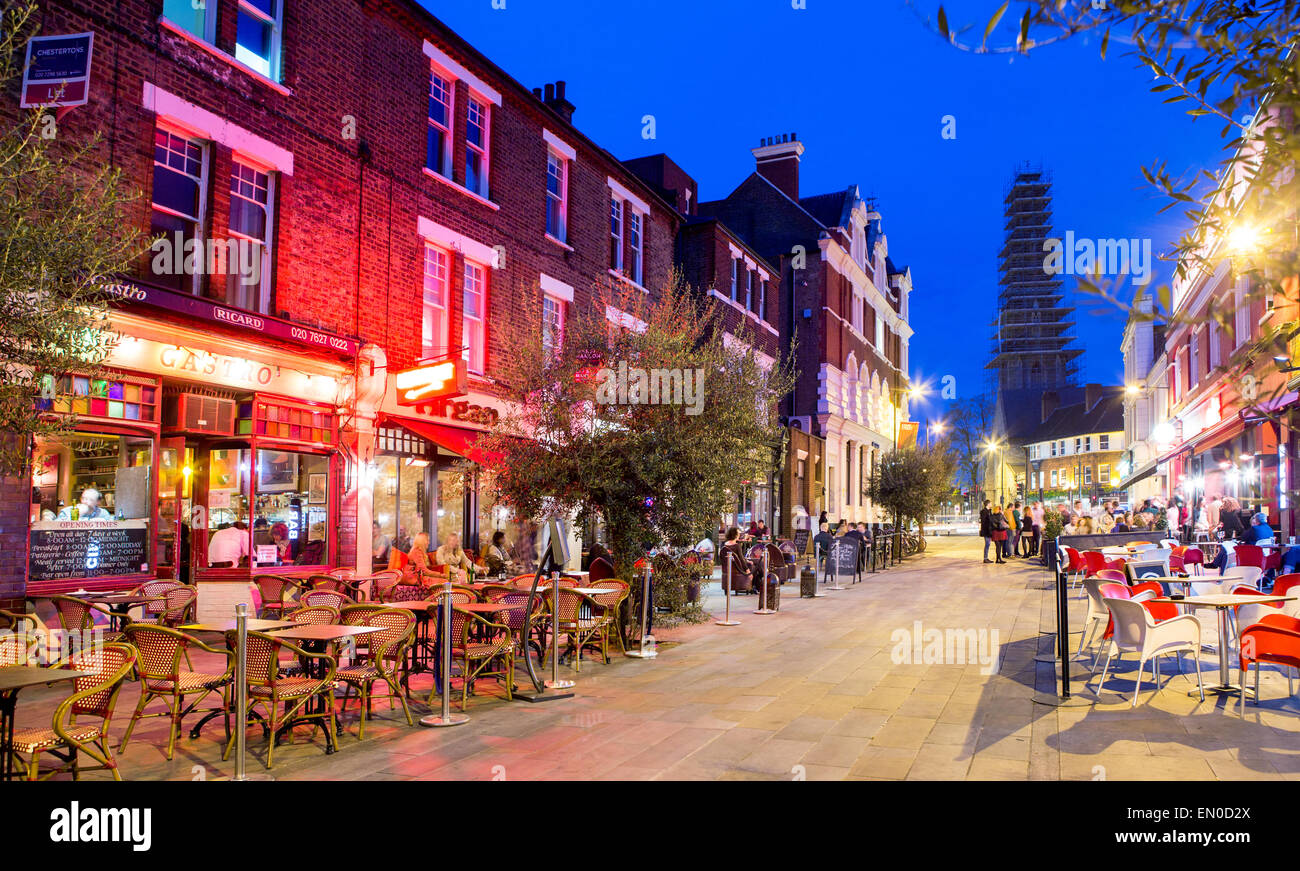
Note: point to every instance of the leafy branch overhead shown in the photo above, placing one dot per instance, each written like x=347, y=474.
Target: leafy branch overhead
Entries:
x=63, y=242
x=654, y=473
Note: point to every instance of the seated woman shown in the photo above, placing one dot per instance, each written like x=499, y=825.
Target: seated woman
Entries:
x=497, y=559
x=1121, y=523
x=449, y=553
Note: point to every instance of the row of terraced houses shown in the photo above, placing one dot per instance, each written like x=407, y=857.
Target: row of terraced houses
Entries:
x=392, y=226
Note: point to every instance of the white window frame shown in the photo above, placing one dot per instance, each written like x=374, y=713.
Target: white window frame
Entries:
x=1103, y=473
x=880, y=333
x=209, y=34
x=636, y=227
x=474, y=330
x=749, y=288
x=432, y=346
x=483, y=151
x=557, y=305
x=735, y=279
x=616, y=231
x=555, y=158
x=1055, y=479
x=1087, y=475
x=268, y=67
x=264, y=287
x=762, y=295
x=200, y=220
x=1103, y=442
x=445, y=159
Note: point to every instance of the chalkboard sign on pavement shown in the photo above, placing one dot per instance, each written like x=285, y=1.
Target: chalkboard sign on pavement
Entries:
x=801, y=537
x=844, y=556
x=88, y=549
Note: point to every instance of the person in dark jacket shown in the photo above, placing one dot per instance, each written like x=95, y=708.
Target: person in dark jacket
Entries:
x=741, y=563
x=986, y=531
x=822, y=543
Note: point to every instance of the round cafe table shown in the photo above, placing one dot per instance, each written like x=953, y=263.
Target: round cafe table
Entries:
x=1223, y=603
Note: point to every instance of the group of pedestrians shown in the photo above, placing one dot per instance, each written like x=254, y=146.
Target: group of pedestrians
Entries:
x=1013, y=530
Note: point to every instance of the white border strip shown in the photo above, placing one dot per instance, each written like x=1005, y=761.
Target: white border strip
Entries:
x=171, y=108
x=556, y=288
x=559, y=145
x=623, y=319
x=455, y=70
x=449, y=238
x=633, y=200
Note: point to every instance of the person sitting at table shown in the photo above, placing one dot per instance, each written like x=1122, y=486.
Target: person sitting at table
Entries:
x=498, y=561
x=228, y=546
x=88, y=508
x=822, y=543
x=449, y=553
x=1121, y=523
x=741, y=564
x=280, y=538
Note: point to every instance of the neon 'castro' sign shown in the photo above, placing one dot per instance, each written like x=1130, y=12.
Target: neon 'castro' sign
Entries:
x=432, y=381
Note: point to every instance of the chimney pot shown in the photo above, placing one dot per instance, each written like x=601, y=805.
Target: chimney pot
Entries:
x=1050, y=401
x=784, y=139
x=559, y=89
x=1092, y=394
x=537, y=92
x=550, y=92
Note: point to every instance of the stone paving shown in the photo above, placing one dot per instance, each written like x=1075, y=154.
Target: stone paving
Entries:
x=814, y=692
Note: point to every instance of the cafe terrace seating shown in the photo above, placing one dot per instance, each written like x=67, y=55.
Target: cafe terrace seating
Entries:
x=72, y=737
x=477, y=644
x=78, y=615
x=333, y=583
x=1275, y=640
x=276, y=592
x=162, y=665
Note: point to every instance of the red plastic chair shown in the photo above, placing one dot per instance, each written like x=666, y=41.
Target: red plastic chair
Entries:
x=1075, y=567
x=1175, y=563
x=1273, y=560
x=1284, y=584
x=1094, y=561
x=1159, y=610
x=1114, y=575
x=1263, y=642
x=1250, y=555
x=1194, y=561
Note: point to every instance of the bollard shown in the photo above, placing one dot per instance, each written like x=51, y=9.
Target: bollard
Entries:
x=447, y=718
x=555, y=683
x=241, y=688
x=726, y=592
x=762, y=591
x=642, y=653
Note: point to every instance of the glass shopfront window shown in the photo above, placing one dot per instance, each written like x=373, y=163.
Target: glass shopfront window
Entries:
x=451, y=505
x=291, y=508
x=92, y=507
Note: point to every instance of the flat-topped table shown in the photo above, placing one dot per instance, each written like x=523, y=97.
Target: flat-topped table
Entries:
x=255, y=624
x=1223, y=603
x=12, y=679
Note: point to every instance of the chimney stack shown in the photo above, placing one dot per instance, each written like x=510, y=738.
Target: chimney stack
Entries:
x=554, y=98
x=1050, y=401
x=1092, y=394
x=777, y=160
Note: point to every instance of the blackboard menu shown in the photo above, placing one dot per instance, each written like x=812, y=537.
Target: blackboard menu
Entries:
x=844, y=556
x=801, y=541
x=91, y=549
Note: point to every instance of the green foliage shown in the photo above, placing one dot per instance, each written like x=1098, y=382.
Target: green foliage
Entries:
x=62, y=242
x=655, y=474
x=673, y=583
x=912, y=483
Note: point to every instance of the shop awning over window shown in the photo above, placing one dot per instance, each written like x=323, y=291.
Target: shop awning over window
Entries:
x=459, y=441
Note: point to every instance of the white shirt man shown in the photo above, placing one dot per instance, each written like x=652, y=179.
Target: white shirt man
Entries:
x=88, y=508
x=229, y=545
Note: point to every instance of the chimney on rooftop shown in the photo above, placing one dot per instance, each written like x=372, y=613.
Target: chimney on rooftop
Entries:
x=1091, y=395
x=1050, y=401
x=777, y=160
x=553, y=97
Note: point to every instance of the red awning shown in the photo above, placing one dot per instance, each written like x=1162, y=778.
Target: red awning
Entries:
x=457, y=440
x=1207, y=438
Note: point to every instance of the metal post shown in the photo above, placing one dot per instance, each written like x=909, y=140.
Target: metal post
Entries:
x=555, y=683
x=726, y=592
x=762, y=591
x=241, y=688
x=447, y=718
x=642, y=653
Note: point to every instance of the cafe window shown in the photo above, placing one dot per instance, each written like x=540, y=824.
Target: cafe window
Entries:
x=291, y=506
x=474, y=315
x=92, y=506
x=399, y=500
x=434, y=332
x=282, y=421
x=257, y=36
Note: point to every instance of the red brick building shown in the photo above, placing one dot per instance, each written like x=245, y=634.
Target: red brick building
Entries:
x=389, y=225
x=845, y=303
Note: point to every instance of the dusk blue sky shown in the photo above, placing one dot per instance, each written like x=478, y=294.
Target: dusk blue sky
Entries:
x=865, y=85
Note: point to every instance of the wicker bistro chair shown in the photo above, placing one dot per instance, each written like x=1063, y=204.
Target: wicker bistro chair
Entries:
x=177, y=606
x=317, y=615
x=477, y=643
x=94, y=695
x=380, y=583
x=151, y=611
x=329, y=598
x=613, y=602
x=335, y=584
x=534, y=634
x=24, y=641
x=344, y=573
x=78, y=615
x=162, y=653
x=284, y=698
x=583, y=619
x=277, y=592
x=385, y=659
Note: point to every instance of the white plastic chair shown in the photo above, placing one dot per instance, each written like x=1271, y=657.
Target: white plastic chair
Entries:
x=1136, y=631
x=1097, y=614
